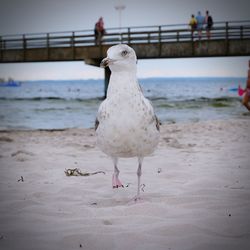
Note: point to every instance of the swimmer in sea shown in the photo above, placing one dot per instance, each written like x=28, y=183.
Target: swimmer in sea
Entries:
x=246, y=97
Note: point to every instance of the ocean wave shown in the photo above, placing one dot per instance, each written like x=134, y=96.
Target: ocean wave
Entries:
x=49, y=98
x=196, y=103
x=53, y=109
x=163, y=102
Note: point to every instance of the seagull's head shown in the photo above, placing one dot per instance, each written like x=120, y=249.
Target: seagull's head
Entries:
x=120, y=57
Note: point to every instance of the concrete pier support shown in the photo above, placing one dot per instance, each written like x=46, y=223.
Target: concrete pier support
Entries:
x=107, y=74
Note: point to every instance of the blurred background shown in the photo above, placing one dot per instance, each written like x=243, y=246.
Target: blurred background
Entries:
x=60, y=95
x=35, y=16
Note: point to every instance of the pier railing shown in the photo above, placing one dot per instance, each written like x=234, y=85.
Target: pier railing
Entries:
x=131, y=35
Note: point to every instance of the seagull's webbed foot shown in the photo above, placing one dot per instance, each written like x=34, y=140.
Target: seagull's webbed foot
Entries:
x=116, y=182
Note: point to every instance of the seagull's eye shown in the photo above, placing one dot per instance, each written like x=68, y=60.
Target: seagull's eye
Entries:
x=124, y=53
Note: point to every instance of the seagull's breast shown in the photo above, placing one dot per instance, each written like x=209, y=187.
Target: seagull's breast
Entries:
x=127, y=126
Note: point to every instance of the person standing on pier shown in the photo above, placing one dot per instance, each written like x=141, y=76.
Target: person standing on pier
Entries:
x=99, y=30
x=209, y=22
x=193, y=24
x=200, y=21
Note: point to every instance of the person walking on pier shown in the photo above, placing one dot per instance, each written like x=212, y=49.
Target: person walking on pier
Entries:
x=193, y=24
x=200, y=21
x=209, y=22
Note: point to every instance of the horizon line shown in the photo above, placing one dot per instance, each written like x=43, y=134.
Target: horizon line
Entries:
x=140, y=78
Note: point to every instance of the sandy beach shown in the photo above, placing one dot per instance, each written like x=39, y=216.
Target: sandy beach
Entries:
x=195, y=192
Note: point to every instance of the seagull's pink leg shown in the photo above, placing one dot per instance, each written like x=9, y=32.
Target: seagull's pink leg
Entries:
x=116, y=183
x=137, y=197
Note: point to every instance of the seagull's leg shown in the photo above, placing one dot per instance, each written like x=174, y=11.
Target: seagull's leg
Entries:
x=139, y=172
x=115, y=180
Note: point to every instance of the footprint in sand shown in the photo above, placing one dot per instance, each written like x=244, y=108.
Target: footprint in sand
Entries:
x=5, y=139
x=172, y=142
x=21, y=155
x=107, y=222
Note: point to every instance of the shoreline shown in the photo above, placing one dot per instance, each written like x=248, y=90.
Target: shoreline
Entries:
x=196, y=192
x=244, y=115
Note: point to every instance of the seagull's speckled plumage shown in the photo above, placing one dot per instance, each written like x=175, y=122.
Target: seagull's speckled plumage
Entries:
x=126, y=125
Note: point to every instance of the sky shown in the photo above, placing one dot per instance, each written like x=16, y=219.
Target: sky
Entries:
x=38, y=16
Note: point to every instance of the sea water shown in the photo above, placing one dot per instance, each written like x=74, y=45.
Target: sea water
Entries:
x=74, y=104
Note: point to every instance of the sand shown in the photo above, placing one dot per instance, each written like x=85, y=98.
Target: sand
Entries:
x=195, y=192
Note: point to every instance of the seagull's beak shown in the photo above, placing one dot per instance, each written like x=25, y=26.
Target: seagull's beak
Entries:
x=105, y=62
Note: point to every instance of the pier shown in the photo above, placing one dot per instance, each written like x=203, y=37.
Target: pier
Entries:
x=231, y=38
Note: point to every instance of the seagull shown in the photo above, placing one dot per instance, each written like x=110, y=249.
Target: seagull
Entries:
x=126, y=125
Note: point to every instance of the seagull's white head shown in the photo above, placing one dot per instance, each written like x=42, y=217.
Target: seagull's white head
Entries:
x=119, y=58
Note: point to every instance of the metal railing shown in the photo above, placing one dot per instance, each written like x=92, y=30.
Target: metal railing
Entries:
x=130, y=35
